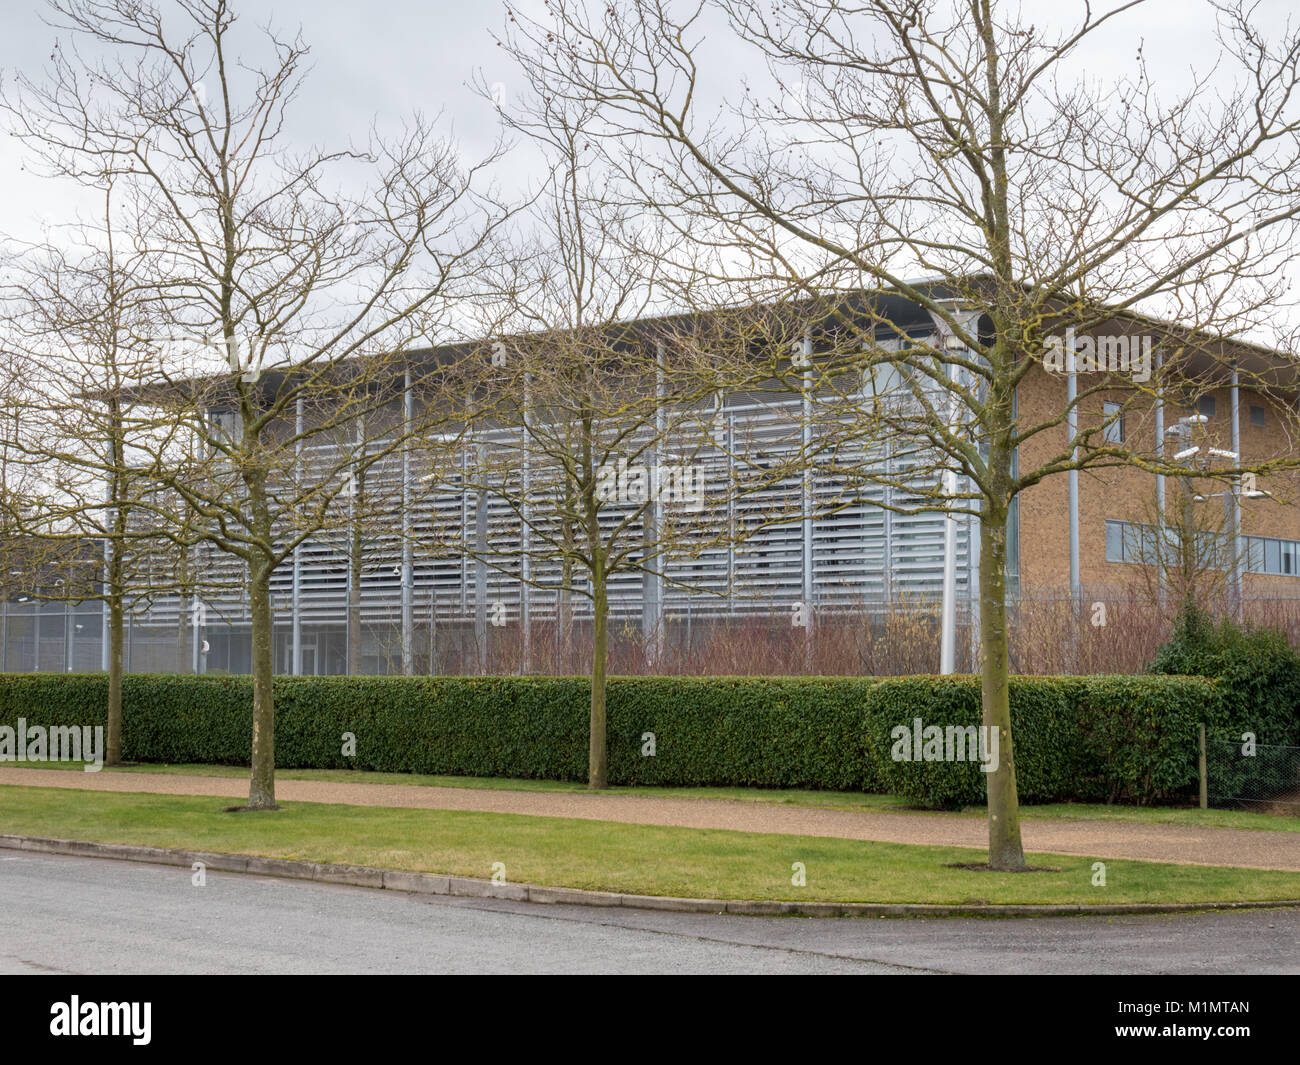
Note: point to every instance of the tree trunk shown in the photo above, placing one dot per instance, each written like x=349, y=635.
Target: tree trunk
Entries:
x=261, y=788
x=1005, y=851
x=598, y=757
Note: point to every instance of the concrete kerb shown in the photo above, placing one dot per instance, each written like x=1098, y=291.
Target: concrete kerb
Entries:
x=470, y=887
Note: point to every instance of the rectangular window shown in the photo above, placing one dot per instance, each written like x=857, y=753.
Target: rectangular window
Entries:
x=1257, y=416
x=1114, y=541
x=1205, y=405
x=1135, y=542
x=1114, y=431
x=1137, y=545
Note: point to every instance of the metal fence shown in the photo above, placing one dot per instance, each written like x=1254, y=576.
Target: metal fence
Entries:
x=1254, y=776
x=900, y=638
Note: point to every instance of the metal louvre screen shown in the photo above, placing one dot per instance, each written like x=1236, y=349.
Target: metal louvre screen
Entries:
x=778, y=531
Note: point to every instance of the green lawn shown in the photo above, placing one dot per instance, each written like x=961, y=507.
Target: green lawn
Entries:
x=613, y=857
x=833, y=800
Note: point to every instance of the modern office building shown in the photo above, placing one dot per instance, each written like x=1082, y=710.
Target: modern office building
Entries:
x=422, y=607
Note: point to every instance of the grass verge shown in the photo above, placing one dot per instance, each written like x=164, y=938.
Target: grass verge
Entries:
x=596, y=855
x=828, y=800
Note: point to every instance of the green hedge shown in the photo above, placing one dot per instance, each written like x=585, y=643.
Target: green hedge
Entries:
x=1085, y=738
x=745, y=731
x=1089, y=739
x=1258, y=676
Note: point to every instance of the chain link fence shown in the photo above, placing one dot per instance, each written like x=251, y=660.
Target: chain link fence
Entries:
x=1253, y=776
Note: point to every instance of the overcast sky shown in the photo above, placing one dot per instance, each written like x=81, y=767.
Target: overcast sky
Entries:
x=373, y=59
x=382, y=59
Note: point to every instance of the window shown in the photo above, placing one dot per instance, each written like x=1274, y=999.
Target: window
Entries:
x=1127, y=541
x=1114, y=541
x=1257, y=416
x=1113, y=415
x=1205, y=405
x=1264, y=554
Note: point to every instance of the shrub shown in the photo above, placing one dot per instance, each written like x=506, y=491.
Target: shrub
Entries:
x=1081, y=738
x=746, y=731
x=1075, y=738
x=1258, y=676
x=1257, y=670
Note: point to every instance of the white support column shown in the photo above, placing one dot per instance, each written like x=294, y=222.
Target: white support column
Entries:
x=731, y=513
x=196, y=625
x=480, y=562
x=1072, y=434
x=408, y=548
x=110, y=523
x=887, y=527
x=973, y=586
x=949, y=340
x=948, y=620
x=526, y=538
x=652, y=598
x=1160, y=477
x=806, y=491
x=295, y=604
x=1238, y=591
x=464, y=526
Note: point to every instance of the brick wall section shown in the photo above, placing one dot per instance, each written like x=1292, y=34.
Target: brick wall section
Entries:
x=1129, y=494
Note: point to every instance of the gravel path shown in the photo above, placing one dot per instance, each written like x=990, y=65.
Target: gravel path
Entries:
x=1186, y=845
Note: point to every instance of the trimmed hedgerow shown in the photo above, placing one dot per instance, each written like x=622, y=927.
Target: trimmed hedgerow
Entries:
x=771, y=732
x=1086, y=738
x=748, y=731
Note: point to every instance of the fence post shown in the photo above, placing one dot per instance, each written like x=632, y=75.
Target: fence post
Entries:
x=1204, y=784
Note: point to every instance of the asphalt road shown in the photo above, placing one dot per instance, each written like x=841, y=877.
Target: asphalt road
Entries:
x=90, y=916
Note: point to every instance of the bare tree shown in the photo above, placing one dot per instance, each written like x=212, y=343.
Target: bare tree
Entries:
x=309, y=297
x=77, y=321
x=951, y=141
x=599, y=420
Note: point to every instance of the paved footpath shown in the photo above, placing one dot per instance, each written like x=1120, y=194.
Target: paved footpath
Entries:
x=1181, y=844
